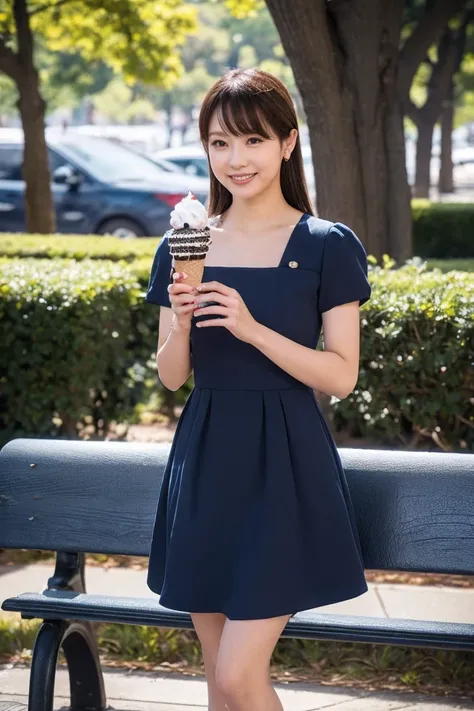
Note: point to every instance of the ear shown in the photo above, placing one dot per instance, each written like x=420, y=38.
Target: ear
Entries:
x=291, y=140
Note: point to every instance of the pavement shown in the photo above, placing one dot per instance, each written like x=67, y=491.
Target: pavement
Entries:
x=156, y=691
x=147, y=691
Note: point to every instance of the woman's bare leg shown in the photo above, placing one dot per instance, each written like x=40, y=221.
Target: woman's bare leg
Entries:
x=243, y=663
x=209, y=628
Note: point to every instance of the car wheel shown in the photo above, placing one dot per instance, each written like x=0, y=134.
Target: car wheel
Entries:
x=121, y=227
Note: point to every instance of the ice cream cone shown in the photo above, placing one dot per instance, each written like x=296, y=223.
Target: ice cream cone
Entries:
x=194, y=268
x=190, y=238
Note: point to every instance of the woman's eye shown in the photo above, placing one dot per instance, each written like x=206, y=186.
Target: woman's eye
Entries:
x=253, y=138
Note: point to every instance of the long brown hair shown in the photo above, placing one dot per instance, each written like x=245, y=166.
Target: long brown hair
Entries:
x=252, y=101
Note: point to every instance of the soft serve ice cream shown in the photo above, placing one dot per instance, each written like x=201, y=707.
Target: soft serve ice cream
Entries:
x=189, y=213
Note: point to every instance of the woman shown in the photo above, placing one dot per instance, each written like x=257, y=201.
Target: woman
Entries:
x=254, y=519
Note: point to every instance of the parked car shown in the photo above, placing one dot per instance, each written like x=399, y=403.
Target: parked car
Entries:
x=98, y=187
x=167, y=165
x=193, y=160
x=190, y=158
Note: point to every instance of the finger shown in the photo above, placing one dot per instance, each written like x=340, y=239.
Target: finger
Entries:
x=179, y=275
x=217, y=286
x=180, y=288
x=224, y=299
x=213, y=322
x=212, y=310
x=183, y=300
x=184, y=309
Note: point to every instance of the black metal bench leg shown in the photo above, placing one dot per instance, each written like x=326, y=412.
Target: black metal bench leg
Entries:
x=43, y=665
x=85, y=675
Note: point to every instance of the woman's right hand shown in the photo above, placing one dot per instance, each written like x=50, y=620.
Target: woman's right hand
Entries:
x=182, y=298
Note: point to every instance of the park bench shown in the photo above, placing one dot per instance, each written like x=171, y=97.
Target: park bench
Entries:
x=414, y=510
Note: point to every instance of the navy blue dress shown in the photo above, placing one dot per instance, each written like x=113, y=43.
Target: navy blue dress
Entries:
x=254, y=517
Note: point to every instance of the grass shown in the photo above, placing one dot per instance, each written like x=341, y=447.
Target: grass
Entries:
x=448, y=265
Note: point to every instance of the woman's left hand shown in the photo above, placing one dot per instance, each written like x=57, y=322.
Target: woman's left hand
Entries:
x=237, y=318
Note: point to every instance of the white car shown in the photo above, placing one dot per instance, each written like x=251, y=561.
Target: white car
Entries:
x=190, y=158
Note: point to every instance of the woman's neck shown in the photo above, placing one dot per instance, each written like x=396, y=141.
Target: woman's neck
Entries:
x=242, y=219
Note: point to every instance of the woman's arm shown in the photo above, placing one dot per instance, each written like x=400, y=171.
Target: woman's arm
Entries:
x=333, y=371
x=173, y=357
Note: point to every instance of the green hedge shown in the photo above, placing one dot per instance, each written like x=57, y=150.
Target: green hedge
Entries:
x=78, y=346
x=76, y=247
x=65, y=330
x=443, y=230
x=79, y=342
x=417, y=348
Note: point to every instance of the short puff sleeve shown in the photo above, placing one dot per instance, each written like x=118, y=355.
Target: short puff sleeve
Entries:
x=160, y=275
x=344, y=270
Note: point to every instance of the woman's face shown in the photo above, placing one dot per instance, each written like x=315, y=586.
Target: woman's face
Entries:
x=246, y=165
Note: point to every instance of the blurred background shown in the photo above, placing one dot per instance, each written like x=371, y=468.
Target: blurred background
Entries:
x=142, y=92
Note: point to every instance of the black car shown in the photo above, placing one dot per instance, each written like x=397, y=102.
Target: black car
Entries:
x=98, y=187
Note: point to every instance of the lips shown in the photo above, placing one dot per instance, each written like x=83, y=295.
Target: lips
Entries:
x=244, y=178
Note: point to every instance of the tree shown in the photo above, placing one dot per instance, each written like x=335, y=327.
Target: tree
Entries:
x=137, y=39
x=353, y=69
x=442, y=64
x=225, y=39
x=70, y=71
x=456, y=108
x=117, y=100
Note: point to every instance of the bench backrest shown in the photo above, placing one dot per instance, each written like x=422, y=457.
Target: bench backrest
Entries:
x=414, y=510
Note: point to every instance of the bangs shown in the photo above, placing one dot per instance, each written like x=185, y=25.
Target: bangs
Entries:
x=240, y=115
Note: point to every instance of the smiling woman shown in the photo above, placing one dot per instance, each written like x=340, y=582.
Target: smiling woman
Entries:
x=254, y=519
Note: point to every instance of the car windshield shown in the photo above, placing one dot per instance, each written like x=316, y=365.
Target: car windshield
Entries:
x=110, y=162
x=167, y=165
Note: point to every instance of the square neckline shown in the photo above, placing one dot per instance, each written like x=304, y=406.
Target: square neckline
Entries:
x=280, y=263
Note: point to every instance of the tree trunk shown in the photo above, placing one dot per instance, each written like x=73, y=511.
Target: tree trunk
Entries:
x=188, y=120
x=344, y=58
x=168, y=107
x=90, y=112
x=299, y=107
x=40, y=216
x=451, y=49
x=421, y=188
x=399, y=205
x=445, y=184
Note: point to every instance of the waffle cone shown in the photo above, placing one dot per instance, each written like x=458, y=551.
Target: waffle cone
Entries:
x=194, y=268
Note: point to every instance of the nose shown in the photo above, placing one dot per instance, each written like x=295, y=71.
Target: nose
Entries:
x=237, y=158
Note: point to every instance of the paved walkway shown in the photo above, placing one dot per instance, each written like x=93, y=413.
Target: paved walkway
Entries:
x=145, y=691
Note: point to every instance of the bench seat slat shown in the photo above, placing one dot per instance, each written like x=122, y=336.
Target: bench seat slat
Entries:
x=66, y=604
